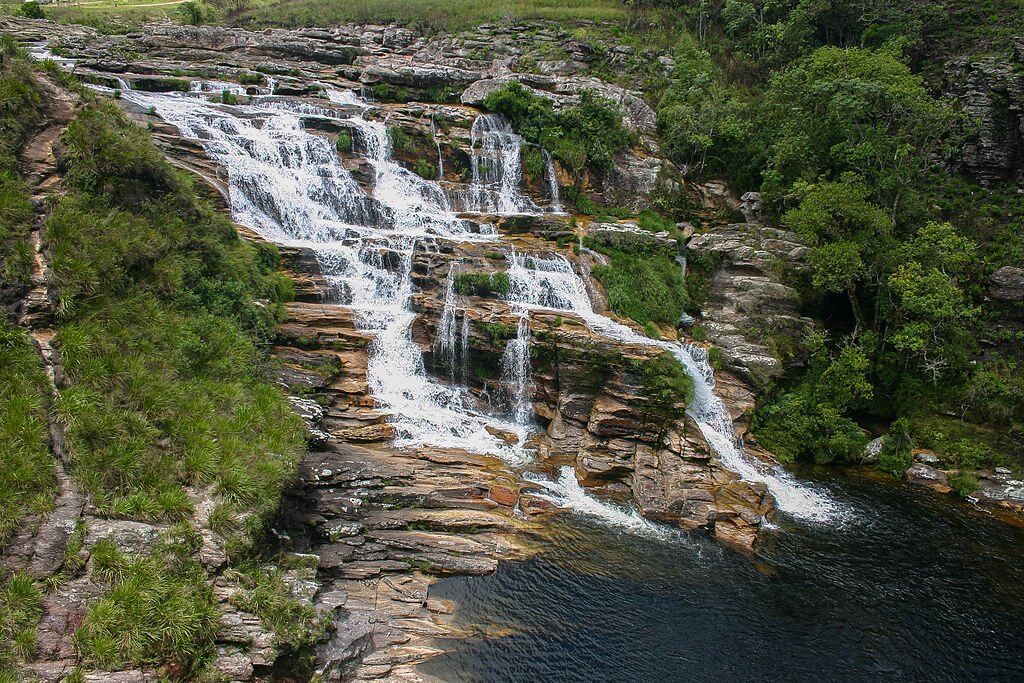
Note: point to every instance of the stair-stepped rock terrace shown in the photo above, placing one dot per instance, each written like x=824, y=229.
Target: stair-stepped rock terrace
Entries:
x=447, y=347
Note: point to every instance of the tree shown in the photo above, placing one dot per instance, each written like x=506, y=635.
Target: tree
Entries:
x=706, y=124
x=851, y=237
x=931, y=315
x=842, y=112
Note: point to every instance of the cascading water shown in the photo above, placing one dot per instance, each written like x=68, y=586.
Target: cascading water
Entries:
x=496, y=165
x=290, y=186
x=552, y=283
x=437, y=144
x=565, y=491
x=515, y=372
x=216, y=87
x=451, y=344
x=549, y=170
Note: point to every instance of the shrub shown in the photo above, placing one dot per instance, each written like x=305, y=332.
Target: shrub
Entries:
x=963, y=483
x=296, y=626
x=809, y=419
x=482, y=284
x=157, y=610
x=344, y=143
x=228, y=97
x=32, y=10
x=27, y=480
x=250, y=78
x=896, y=454
x=666, y=385
x=159, y=300
x=21, y=607
x=191, y=13
x=498, y=331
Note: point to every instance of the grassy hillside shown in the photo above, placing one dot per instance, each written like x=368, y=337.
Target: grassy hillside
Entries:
x=162, y=320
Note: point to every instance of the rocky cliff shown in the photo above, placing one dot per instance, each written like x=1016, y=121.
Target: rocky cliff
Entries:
x=376, y=523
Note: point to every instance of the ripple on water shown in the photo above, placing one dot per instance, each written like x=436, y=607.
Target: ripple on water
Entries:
x=915, y=588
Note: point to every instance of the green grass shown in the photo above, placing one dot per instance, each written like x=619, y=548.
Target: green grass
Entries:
x=21, y=607
x=19, y=111
x=429, y=15
x=643, y=281
x=26, y=470
x=160, y=335
x=27, y=480
x=297, y=626
x=481, y=284
x=157, y=610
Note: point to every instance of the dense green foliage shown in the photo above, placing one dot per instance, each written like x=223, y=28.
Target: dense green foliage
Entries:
x=585, y=136
x=162, y=304
x=642, y=279
x=825, y=108
x=666, y=385
x=21, y=607
x=481, y=284
x=158, y=609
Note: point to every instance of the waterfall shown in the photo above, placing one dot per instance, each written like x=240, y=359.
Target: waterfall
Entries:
x=418, y=204
x=515, y=372
x=215, y=87
x=289, y=186
x=549, y=170
x=497, y=169
x=565, y=491
x=437, y=144
x=551, y=283
x=451, y=343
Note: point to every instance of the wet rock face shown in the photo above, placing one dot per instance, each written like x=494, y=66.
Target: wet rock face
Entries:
x=749, y=306
x=990, y=91
x=393, y=66
x=589, y=397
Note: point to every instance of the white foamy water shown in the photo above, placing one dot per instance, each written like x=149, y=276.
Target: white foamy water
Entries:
x=497, y=169
x=551, y=283
x=565, y=492
x=290, y=186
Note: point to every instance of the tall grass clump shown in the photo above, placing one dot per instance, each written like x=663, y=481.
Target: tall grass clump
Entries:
x=164, y=312
x=27, y=479
x=158, y=609
x=21, y=607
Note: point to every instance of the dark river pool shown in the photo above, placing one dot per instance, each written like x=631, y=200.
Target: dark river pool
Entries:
x=907, y=585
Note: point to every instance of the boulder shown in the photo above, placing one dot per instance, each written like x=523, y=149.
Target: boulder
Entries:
x=925, y=475
x=872, y=451
x=1007, y=284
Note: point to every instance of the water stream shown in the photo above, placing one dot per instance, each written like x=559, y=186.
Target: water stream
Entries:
x=921, y=589
x=909, y=589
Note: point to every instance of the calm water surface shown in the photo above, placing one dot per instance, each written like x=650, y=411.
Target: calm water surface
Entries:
x=908, y=586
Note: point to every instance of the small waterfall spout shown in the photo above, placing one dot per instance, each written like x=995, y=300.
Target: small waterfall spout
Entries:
x=549, y=171
x=497, y=170
x=451, y=344
x=515, y=372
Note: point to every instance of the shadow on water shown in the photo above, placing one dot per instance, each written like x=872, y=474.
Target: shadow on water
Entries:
x=908, y=586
